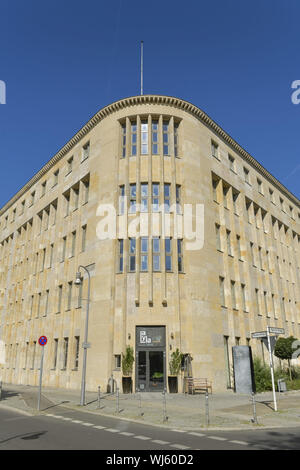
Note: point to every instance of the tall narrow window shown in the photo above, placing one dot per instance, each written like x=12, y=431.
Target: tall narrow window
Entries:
x=214, y=149
x=123, y=140
x=168, y=254
x=222, y=291
x=154, y=137
x=73, y=244
x=75, y=197
x=69, y=165
x=86, y=189
x=85, y=151
x=67, y=203
x=166, y=138
x=66, y=348
x=121, y=199
x=83, y=238
x=144, y=197
x=155, y=197
x=51, y=255
x=55, y=177
x=243, y=289
x=180, y=255
x=226, y=353
x=133, y=138
x=121, y=255
x=55, y=353
x=132, y=202
x=257, y=301
x=144, y=253
x=246, y=175
x=59, y=300
x=238, y=244
x=43, y=259
x=266, y=303
x=235, y=199
x=46, y=303
x=218, y=237
x=167, y=194
x=39, y=304
x=156, y=253
x=33, y=354
x=144, y=137
x=64, y=245
x=252, y=253
x=233, y=296
x=178, y=199
x=176, y=125
x=43, y=192
x=77, y=344
x=231, y=162
x=132, y=254
x=228, y=238
x=70, y=286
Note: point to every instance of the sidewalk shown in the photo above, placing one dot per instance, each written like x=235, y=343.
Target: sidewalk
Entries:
x=227, y=411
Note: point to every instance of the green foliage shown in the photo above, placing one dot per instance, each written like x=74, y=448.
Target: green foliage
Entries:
x=175, y=362
x=263, y=379
x=127, y=361
x=283, y=348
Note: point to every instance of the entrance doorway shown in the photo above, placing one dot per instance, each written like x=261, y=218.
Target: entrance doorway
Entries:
x=150, y=359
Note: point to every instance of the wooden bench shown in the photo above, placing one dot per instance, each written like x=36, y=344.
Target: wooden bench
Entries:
x=194, y=384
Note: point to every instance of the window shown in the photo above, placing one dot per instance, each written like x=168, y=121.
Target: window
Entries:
x=46, y=302
x=22, y=207
x=233, y=297
x=260, y=258
x=228, y=238
x=133, y=128
x=33, y=355
x=73, y=244
x=238, y=244
x=252, y=253
x=132, y=201
x=70, y=286
x=155, y=197
x=271, y=193
x=121, y=199
x=43, y=259
x=43, y=188
x=51, y=255
x=168, y=254
x=176, y=125
x=167, y=194
x=60, y=291
x=144, y=253
x=85, y=151
x=123, y=137
x=178, y=199
x=65, y=356
x=244, y=304
x=70, y=165
x=248, y=210
x=235, y=200
x=214, y=149
x=121, y=254
x=55, y=177
x=180, y=255
x=226, y=353
x=64, y=245
x=166, y=138
x=257, y=301
x=39, y=304
x=246, y=175
x=86, y=189
x=75, y=197
x=67, y=203
x=144, y=137
x=132, y=254
x=154, y=137
x=215, y=183
x=231, y=162
x=281, y=204
x=55, y=353
x=222, y=291
x=144, y=197
x=266, y=303
x=225, y=195
x=218, y=237
x=83, y=238
x=77, y=343
x=32, y=197
x=260, y=186
x=117, y=361
x=156, y=253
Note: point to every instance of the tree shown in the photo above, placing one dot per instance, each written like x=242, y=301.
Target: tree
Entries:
x=284, y=350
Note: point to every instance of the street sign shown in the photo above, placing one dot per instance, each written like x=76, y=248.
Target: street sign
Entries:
x=276, y=331
x=259, y=334
x=273, y=340
x=43, y=340
x=86, y=345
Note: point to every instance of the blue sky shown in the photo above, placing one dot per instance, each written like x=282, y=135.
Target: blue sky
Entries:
x=63, y=61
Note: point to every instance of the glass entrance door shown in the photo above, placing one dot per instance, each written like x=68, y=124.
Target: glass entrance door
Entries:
x=150, y=371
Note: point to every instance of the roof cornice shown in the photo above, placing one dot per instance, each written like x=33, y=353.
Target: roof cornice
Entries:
x=157, y=100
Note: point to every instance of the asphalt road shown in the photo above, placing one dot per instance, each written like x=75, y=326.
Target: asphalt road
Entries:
x=61, y=428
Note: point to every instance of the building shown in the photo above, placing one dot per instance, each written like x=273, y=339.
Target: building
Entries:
x=147, y=156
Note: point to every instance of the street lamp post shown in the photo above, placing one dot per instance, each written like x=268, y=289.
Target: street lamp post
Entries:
x=85, y=345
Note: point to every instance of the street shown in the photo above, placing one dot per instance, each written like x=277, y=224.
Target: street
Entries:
x=61, y=428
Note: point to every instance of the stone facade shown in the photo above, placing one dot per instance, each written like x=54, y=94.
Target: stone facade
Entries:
x=244, y=277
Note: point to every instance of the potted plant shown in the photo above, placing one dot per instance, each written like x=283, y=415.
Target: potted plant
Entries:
x=127, y=365
x=174, y=366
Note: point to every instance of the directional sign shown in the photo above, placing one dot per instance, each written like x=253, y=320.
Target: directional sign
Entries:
x=276, y=331
x=43, y=340
x=259, y=334
x=273, y=340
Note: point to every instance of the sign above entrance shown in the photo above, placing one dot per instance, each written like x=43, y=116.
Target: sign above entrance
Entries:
x=150, y=336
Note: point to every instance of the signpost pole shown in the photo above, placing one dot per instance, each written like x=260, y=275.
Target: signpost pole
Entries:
x=272, y=368
x=41, y=376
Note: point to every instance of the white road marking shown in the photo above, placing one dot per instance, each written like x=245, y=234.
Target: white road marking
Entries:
x=197, y=434
x=217, y=438
x=99, y=427
x=240, y=442
x=87, y=424
x=112, y=430
x=77, y=421
x=179, y=446
x=143, y=438
x=125, y=433
x=157, y=441
x=177, y=430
